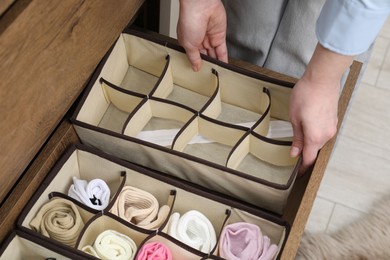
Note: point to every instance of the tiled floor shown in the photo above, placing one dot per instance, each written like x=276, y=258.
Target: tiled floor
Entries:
x=358, y=173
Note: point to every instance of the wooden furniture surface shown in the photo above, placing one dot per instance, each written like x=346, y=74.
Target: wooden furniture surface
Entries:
x=49, y=49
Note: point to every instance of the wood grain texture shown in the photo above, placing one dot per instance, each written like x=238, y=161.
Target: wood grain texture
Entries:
x=305, y=190
x=263, y=71
x=11, y=11
x=47, y=54
x=63, y=137
x=4, y=5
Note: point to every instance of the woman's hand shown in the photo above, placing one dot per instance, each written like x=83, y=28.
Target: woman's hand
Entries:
x=314, y=102
x=202, y=29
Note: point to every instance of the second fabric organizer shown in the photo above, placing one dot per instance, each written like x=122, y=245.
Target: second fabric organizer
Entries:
x=146, y=213
x=222, y=128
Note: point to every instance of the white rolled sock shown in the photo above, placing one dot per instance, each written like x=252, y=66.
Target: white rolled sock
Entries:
x=95, y=193
x=193, y=229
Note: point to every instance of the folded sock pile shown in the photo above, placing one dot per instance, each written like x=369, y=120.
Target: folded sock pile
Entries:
x=154, y=251
x=59, y=219
x=112, y=245
x=194, y=229
x=95, y=193
x=242, y=240
x=140, y=208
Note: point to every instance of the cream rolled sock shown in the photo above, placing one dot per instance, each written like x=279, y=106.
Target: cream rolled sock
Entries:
x=112, y=245
x=90, y=250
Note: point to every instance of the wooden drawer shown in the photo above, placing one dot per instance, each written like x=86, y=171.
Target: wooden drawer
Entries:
x=48, y=76
x=298, y=208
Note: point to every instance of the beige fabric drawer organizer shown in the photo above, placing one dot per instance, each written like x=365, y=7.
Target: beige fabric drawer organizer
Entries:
x=144, y=104
x=86, y=163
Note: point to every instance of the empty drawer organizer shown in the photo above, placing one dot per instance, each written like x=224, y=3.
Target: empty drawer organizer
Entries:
x=144, y=208
x=221, y=128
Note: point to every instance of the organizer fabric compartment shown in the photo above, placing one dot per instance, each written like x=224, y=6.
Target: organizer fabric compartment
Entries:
x=84, y=161
x=20, y=246
x=145, y=105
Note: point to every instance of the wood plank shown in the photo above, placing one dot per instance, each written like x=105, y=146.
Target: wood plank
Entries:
x=4, y=5
x=11, y=10
x=47, y=54
x=263, y=71
x=305, y=190
x=63, y=137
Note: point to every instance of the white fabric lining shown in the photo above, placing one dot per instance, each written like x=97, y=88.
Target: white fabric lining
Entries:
x=165, y=137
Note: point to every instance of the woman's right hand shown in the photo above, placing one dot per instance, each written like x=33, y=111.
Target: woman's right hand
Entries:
x=202, y=29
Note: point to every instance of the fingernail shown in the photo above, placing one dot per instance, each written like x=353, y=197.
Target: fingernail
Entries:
x=195, y=68
x=294, y=152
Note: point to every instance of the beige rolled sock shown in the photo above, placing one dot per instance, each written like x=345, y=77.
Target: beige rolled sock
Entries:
x=140, y=208
x=59, y=219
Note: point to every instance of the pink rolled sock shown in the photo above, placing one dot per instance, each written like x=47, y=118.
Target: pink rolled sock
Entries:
x=242, y=240
x=154, y=251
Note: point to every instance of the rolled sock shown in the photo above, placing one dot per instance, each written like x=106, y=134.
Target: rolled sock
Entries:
x=94, y=194
x=193, y=229
x=245, y=241
x=154, y=251
x=89, y=250
x=140, y=208
x=60, y=220
x=269, y=250
x=112, y=245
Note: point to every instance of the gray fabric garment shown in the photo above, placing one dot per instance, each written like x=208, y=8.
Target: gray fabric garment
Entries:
x=295, y=39
x=251, y=26
x=279, y=35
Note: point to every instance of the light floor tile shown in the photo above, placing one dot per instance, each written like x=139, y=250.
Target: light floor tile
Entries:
x=357, y=177
x=368, y=117
x=358, y=171
x=320, y=215
x=342, y=216
x=384, y=75
x=377, y=58
x=385, y=32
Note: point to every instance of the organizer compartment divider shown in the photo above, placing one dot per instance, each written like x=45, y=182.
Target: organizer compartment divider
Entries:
x=262, y=125
x=210, y=140
x=155, y=114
